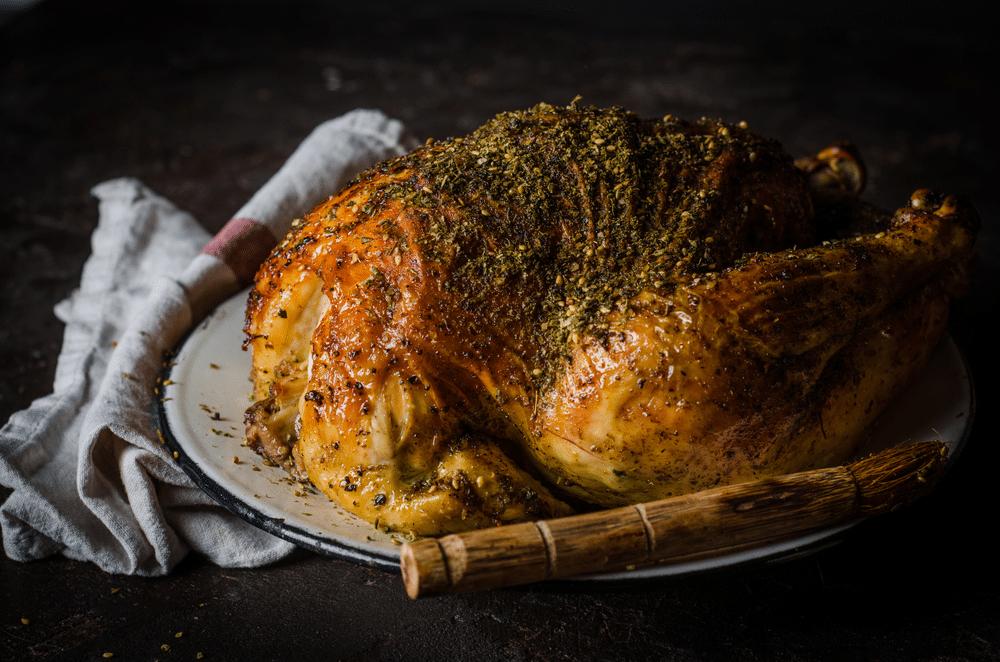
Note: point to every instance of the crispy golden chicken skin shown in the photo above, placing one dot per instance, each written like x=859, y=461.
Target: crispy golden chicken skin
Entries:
x=578, y=305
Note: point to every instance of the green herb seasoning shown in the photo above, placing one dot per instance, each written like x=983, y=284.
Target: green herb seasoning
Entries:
x=561, y=215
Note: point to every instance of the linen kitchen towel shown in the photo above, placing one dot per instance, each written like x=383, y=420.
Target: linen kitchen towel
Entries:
x=85, y=469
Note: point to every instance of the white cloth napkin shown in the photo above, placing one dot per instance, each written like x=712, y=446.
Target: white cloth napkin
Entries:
x=90, y=478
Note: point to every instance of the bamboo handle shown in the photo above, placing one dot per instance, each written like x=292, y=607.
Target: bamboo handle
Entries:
x=659, y=531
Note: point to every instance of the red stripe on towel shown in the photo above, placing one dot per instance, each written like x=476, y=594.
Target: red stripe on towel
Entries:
x=243, y=244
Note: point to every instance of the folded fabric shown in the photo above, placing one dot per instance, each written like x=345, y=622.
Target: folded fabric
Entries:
x=89, y=476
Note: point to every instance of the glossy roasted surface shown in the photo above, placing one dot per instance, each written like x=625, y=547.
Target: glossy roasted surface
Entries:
x=204, y=102
x=627, y=309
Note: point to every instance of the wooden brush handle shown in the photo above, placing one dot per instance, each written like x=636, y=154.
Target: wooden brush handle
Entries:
x=715, y=519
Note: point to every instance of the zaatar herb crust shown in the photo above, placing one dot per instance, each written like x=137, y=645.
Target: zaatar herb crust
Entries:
x=580, y=300
x=573, y=211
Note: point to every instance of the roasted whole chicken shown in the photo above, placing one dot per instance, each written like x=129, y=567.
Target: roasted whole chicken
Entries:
x=577, y=307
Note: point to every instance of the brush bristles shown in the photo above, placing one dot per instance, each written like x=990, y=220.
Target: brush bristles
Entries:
x=896, y=477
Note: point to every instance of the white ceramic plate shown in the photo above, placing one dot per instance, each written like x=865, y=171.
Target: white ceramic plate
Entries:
x=201, y=416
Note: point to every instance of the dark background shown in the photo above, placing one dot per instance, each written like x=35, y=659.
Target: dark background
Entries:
x=203, y=101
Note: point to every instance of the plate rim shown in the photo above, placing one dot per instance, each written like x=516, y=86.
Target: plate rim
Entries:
x=277, y=527
x=780, y=551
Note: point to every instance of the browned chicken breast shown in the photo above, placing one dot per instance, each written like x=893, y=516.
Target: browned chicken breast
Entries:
x=580, y=306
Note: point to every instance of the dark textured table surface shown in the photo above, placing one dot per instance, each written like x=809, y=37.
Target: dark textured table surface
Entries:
x=203, y=101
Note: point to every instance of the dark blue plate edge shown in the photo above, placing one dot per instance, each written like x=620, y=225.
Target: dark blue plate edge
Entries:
x=277, y=526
